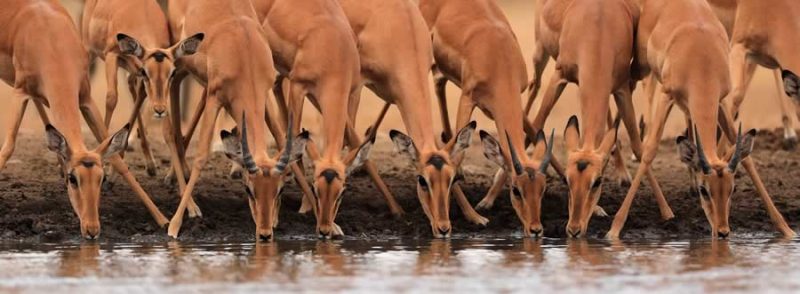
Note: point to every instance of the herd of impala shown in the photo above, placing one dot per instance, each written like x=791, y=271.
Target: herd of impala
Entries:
x=260, y=59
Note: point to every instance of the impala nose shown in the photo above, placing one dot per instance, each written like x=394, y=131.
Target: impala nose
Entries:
x=265, y=237
x=159, y=111
x=723, y=233
x=574, y=232
x=535, y=232
x=444, y=231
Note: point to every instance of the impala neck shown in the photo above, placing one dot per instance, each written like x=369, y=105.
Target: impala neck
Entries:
x=62, y=95
x=703, y=105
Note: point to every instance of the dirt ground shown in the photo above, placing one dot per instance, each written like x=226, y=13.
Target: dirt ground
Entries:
x=34, y=204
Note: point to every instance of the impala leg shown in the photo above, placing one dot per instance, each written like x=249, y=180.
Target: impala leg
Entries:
x=466, y=208
x=500, y=179
x=741, y=74
x=354, y=141
x=174, y=139
x=621, y=174
x=441, y=97
x=789, y=134
x=280, y=97
x=624, y=102
x=276, y=125
x=112, y=60
x=663, y=107
x=540, y=59
x=18, y=106
x=206, y=133
x=777, y=219
x=92, y=116
x=466, y=106
x=554, y=90
x=198, y=113
x=138, y=95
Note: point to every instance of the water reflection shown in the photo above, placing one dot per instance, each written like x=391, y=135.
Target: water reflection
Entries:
x=396, y=266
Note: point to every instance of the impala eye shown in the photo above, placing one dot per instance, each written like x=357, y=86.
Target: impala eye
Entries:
x=422, y=182
x=248, y=191
x=703, y=192
x=516, y=192
x=596, y=184
x=72, y=179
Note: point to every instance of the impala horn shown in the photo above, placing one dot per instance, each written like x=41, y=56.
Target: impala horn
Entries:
x=702, y=161
x=286, y=155
x=548, y=155
x=737, y=151
x=247, y=157
x=514, y=159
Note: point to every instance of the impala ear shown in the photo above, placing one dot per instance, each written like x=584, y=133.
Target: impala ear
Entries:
x=686, y=151
x=299, y=146
x=115, y=144
x=463, y=139
x=403, y=144
x=231, y=146
x=491, y=149
x=129, y=46
x=610, y=138
x=539, y=145
x=360, y=157
x=57, y=143
x=571, y=134
x=189, y=45
x=791, y=84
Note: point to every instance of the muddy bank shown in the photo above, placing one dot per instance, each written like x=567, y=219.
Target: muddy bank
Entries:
x=34, y=205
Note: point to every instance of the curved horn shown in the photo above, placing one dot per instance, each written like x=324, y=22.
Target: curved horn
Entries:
x=514, y=159
x=283, y=160
x=548, y=155
x=737, y=151
x=702, y=161
x=247, y=157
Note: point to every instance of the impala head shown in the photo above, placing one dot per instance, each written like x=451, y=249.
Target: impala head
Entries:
x=714, y=179
x=156, y=66
x=83, y=174
x=264, y=181
x=436, y=173
x=329, y=185
x=528, y=178
x=584, y=172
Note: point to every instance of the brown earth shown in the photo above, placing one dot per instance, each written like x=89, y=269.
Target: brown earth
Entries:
x=34, y=205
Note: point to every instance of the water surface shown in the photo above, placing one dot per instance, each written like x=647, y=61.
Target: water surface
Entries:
x=543, y=266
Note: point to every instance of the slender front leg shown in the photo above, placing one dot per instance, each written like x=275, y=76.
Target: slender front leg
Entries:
x=624, y=101
x=789, y=134
x=540, y=59
x=554, y=90
x=777, y=219
x=204, y=145
x=466, y=208
x=354, y=142
x=500, y=179
x=138, y=94
x=111, y=84
x=441, y=96
x=621, y=174
x=18, y=105
x=92, y=116
x=663, y=107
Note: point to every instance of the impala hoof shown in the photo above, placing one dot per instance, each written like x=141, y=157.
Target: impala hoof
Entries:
x=612, y=236
x=485, y=204
x=599, y=211
x=479, y=220
x=790, y=144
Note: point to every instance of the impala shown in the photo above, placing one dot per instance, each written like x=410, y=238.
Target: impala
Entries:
x=673, y=38
x=234, y=64
x=315, y=51
x=134, y=35
x=762, y=33
x=396, y=67
x=56, y=76
x=474, y=47
x=596, y=57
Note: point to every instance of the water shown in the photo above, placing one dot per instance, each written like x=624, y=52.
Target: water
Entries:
x=405, y=266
